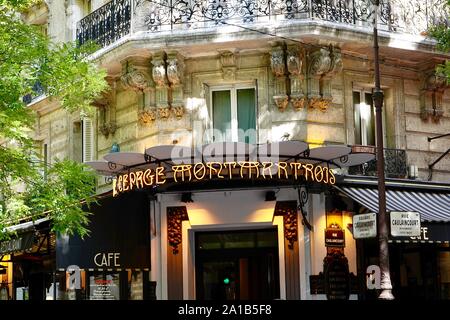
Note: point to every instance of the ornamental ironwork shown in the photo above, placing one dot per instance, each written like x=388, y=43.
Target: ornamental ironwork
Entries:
x=107, y=24
x=113, y=20
x=394, y=161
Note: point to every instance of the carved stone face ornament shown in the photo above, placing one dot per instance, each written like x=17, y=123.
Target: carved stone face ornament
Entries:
x=178, y=111
x=164, y=113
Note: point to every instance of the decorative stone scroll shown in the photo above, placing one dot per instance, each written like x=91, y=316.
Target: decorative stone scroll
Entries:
x=323, y=65
x=136, y=76
x=175, y=217
x=288, y=209
x=433, y=88
x=278, y=65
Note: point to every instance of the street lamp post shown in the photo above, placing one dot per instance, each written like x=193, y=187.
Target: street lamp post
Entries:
x=386, y=286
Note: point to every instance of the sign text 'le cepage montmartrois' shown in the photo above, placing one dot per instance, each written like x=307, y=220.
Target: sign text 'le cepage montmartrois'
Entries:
x=226, y=170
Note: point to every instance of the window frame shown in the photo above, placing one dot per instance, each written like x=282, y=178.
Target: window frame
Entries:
x=233, y=99
x=362, y=92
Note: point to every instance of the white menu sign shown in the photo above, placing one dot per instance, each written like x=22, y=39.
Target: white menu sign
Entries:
x=365, y=225
x=405, y=224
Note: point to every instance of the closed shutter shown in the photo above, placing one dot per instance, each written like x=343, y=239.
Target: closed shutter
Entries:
x=88, y=140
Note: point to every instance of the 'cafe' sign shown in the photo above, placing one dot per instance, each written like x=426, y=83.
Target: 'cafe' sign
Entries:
x=226, y=170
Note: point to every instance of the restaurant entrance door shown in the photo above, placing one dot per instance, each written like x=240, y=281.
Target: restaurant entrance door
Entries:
x=237, y=265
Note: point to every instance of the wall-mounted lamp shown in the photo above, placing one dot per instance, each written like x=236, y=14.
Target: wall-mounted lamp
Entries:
x=186, y=197
x=270, y=196
x=115, y=147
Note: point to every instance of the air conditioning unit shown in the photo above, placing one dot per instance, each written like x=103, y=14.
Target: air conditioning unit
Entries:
x=413, y=172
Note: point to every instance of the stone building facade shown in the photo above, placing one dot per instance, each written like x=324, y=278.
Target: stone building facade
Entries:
x=306, y=66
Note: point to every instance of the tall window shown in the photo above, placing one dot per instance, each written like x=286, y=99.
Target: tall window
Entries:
x=234, y=114
x=364, y=118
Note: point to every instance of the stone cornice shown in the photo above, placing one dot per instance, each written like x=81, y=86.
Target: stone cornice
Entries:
x=292, y=29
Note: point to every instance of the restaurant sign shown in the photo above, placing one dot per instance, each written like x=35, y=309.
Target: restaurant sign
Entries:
x=20, y=243
x=226, y=170
x=334, y=237
x=405, y=224
x=365, y=225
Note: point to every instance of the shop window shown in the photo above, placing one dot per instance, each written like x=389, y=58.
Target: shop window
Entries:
x=234, y=114
x=444, y=270
x=104, y=286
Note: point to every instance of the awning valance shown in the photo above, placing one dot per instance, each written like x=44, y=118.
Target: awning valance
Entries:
x=432, y=206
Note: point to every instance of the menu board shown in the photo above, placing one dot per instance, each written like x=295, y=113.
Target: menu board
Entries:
x=104, y=287
x=337, y=278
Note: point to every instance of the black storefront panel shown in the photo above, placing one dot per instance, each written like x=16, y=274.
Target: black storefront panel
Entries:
x=119, y=236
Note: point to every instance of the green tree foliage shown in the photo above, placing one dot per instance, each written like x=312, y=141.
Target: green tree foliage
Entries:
x=27, y=57
x=442, y=35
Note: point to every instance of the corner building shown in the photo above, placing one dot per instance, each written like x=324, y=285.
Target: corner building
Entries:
x=249, y=73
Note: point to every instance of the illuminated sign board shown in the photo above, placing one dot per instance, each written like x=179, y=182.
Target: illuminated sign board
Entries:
x=226, y=170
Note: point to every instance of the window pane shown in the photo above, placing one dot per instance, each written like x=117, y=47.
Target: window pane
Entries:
x=221, y=101
x=444, y=267
x=246, y=113
x=136, y=285
x=370, y=121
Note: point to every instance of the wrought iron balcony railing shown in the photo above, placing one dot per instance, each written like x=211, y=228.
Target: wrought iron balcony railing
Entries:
x=394, y=162
x=107, y=24
x=113, y=21
x=38, y=90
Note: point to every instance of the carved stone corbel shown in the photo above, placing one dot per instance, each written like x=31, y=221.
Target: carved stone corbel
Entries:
x=294, y=63
x=323, y=65
x=147, y=116
x=162, y=85
x=136, y=74
x=278, y=65
x=106, y=105
x=325, y=81
x=228, y=64
x=433, y=88
x=175, y=74
x=319, y=64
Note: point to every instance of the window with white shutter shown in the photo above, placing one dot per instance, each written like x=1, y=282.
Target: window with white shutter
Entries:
x=88, y=140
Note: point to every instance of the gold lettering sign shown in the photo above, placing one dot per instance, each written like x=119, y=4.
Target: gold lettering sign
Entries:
x=216, y=170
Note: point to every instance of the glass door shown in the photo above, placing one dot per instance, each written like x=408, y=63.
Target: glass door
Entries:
x=237, y=265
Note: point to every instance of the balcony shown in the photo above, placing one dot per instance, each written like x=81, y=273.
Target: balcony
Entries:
x=115, y=19
x=394, y=162
x=38, y=91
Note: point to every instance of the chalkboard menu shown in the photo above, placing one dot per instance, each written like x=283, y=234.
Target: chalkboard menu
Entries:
x=337, y=277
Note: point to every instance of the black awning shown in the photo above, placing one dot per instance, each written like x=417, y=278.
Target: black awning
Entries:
x=18, y=243
x=432, y=206
x=119, y=236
